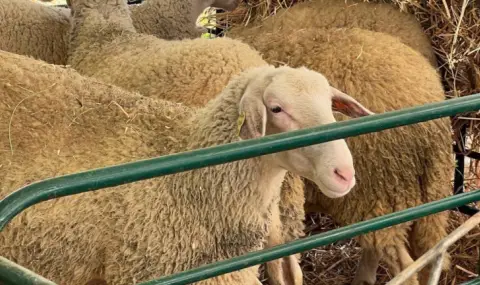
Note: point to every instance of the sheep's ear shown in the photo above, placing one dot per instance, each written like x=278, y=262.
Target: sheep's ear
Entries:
x=252, y=121
x=346, y=105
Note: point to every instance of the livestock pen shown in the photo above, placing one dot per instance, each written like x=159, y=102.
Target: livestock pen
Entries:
x=16, y=202
x=343, y=259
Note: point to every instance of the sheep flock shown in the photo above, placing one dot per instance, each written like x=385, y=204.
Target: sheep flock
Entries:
x=102, y=83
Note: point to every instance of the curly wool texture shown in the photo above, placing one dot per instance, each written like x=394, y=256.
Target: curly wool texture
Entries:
x=377, y=17
x=172, y=70
x=188, y=71
x=129, y=233
x=396, y=169
x=34, y=30
x=169, y=20
x=42, y=32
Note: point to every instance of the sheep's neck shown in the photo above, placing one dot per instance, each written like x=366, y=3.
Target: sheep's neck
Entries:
x=237, y=195
x=258, y=180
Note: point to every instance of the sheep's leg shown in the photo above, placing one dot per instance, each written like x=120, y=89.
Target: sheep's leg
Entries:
x=285, y=271
x=292, y=270
x=282, y=271
x=398, y=259
x=426, y=233
x=406, y=260
x=367, y=268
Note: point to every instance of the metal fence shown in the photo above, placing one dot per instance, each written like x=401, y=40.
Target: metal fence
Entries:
x=25, y=197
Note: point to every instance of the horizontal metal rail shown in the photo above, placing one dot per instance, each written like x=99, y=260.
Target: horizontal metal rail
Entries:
x=112, y=176
x=314, y=241
x=11, y=272
x=472, y=282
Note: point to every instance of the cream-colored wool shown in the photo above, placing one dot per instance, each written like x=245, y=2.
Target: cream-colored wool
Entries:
x=175, y=71
x=140, y=231
x=105, y=45
x=396, y=169
x=377, y=17
x=42, y=32
x=34, y=30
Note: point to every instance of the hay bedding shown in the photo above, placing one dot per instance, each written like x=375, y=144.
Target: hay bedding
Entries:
x=454, y=29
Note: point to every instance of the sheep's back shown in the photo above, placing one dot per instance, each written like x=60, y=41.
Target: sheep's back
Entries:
x=51, y=117
x=190, y=71
x=378, y=17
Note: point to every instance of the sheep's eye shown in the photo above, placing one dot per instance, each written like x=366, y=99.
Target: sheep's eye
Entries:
x=276, y=109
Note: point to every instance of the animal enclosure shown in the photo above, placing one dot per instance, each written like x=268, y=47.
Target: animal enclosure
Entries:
x=462, y=149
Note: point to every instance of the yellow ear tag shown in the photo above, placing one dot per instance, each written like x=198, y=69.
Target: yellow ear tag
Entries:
x=240, y=122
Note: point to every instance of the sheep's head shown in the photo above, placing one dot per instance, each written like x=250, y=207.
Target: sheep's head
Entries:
x=285, y=99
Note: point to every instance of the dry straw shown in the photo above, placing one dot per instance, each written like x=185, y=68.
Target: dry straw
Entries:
x=454, y=29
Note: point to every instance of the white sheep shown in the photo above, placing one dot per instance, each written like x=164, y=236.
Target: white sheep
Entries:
x=105, y=45
x=398, y=168
x=160, y=226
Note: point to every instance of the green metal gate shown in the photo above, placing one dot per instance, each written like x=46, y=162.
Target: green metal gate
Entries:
x=25, y=197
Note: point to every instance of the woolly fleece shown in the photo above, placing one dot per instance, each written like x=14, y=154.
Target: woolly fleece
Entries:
x=34, y=30
x=130, y=233
x=42, y=32
x=111, y=51
x=396, y=169
x=377, y=17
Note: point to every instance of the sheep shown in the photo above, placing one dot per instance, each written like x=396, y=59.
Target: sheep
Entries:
x=377, y=17
x=42, y=32
x=157, y=76
x=52, y=45
x=112, y=51
x=137, y=232
x=174, y=71
x=385, y=74
x=366, y=269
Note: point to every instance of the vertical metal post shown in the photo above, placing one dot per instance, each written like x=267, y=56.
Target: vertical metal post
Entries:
x=459, y=177
x=217, y=31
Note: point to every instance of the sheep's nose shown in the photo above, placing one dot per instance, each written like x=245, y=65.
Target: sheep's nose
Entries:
x=344, y=175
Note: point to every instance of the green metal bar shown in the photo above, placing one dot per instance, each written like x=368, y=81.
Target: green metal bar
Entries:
x=472, y=282
x=92, y=180
x=11, y=273
x=259, y=257
x=14, y=274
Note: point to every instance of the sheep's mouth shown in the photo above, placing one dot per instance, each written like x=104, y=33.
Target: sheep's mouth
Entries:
x=337, y=193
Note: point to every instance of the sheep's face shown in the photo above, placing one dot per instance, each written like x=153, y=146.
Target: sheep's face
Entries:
x=286, y=99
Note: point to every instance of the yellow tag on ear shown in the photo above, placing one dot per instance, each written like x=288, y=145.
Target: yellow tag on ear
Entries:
x=240, y=122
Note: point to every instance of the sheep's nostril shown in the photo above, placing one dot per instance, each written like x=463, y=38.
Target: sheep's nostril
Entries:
x=344, y=174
